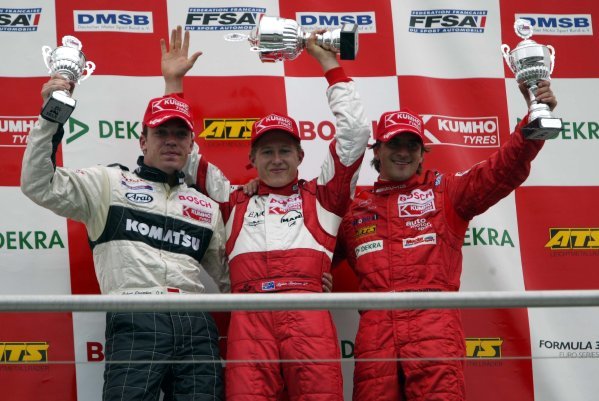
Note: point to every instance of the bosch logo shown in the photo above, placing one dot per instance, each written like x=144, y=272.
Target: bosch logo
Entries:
x=448, y=21
x=113, y=21
x=222, y=18
x=19, y=19
x=139, y=198
x=366, y=21
x=195, y=200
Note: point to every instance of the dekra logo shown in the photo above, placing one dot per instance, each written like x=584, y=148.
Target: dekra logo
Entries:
x=106, y=129
x=488, y=237
x=578, y=130
x=30, y=240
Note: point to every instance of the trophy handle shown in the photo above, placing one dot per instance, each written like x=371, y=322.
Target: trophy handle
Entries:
x=89, y=68
x=46, y=51
x=552, y=50
x=505, y=50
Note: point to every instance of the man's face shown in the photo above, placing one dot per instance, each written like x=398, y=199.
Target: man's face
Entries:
x=399, y=157
x=167, y=146
x=276, y=158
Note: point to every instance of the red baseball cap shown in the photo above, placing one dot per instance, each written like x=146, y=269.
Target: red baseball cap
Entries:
x=162, y=109
x=272, y=122
x=393, y=123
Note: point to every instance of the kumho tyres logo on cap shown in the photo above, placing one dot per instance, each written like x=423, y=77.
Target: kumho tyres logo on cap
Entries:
x=573, y=238
x=106, y=129
x=227, y=129
x=24, y=352
x=14, y=130
x=559, y=24
x=485, y=236
x=470, y=132
x=448, y=21
x=223, y=18
x=20, y=240
x=19, y=19
x=483, y=347
x=312, y=21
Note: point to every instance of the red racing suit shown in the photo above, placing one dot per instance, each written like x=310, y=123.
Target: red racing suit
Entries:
x=407, y=236
x=283, y=239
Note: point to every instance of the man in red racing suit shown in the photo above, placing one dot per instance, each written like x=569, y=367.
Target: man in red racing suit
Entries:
x=406, y=234
x=282, y=238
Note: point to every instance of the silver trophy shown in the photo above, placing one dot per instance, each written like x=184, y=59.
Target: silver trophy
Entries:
x=276, y=39
x=531, y=63
x=69, y=61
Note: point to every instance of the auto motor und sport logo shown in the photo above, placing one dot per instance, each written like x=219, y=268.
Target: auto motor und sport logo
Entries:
x=448, y=21
x=19, y=19
x=222, y=18
x=113, y=21
x=559, y=24
x=311, y=21
x=472, y=132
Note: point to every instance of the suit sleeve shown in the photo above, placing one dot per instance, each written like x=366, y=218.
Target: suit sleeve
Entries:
x=486, y=183
x=339, y=172
x=80, y=195
x=214, y=260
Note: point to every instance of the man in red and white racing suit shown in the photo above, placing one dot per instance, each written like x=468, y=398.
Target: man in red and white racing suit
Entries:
x=406, y=234
x=282, y=238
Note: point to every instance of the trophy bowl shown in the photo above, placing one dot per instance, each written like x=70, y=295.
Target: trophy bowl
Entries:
x=68, y=61
x=531, y=63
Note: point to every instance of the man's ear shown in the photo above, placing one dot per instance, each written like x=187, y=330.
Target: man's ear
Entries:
x=301, y=156
x=143, y=144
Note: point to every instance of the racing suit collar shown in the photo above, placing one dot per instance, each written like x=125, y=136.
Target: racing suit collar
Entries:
x=153, y=174
x=384, y=186
x=287, y=190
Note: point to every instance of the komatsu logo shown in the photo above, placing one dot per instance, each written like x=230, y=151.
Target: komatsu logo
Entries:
x=559, y=24
x=311, y=21
x=160, y=234
x=222, y=18
x=19, y=19
x=448, y=21
x=471, y=132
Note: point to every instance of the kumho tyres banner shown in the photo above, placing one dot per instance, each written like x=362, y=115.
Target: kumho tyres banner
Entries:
x=440, y=58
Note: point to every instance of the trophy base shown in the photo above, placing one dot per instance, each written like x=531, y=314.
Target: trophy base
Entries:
x=543, y=128
x=348, y=47
x=58, y=107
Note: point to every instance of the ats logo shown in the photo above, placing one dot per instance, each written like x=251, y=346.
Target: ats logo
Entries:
x=222, y=18
x=30, y=352
x=113, y=21
x=448, y=21
x=14, y=131
x=19, y=19
x=560, y=24
x=483, y=347
x=312, y=21
x=573, y=238
x=228, y=129
x=471, y=132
